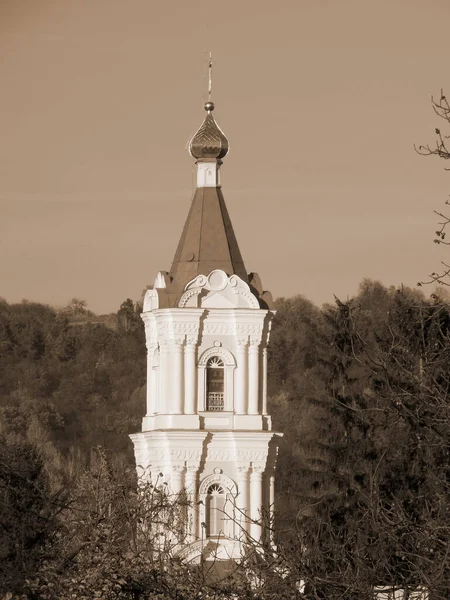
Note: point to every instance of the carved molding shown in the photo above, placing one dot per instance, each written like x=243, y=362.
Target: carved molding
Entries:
x=162, y=454
x=251, y=299
x=187, y=296
x=249, y=328
x=218, y=328
x=239, y=455
x=174, y=328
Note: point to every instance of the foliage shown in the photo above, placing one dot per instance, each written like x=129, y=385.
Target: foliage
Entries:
x=440, y=149
x=360, y=390
x=384, y=516
x=27, y=510
x=117, y=540
x=76, y=380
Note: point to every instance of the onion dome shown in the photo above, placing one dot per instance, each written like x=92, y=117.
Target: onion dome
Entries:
x=209, y=142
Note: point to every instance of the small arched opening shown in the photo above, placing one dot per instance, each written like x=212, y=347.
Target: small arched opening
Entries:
x=216, y=517
x=215, y=384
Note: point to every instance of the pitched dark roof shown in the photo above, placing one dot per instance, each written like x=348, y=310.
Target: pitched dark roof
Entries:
x=208, y=241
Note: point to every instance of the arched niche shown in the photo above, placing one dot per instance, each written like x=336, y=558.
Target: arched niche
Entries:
x=229, y=364
x=217, y=494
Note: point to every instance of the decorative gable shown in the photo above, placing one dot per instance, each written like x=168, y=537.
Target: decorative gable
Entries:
x=217, y=290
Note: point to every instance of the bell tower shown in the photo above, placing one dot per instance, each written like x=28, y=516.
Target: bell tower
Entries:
x=207, y=323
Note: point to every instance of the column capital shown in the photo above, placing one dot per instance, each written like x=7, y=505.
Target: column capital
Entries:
x=191, y=343
x=242, y=342
x=165, y=345
x=254, y=346
x=177, y=468
x=243, y=469
x=192, y=468
x=257, y=471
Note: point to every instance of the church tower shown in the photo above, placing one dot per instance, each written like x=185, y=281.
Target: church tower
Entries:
x=207, y=324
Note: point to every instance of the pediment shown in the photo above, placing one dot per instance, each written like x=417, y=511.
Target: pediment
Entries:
x=217, y=290
x=217, y=300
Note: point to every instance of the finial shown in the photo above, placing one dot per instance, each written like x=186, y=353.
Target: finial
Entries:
x=209, y=106
x=209, y=142
x=209, y=76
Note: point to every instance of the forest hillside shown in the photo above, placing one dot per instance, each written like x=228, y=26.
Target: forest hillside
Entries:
x=360, y=389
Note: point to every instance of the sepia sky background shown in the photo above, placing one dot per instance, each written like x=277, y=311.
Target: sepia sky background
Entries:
x=322, y=102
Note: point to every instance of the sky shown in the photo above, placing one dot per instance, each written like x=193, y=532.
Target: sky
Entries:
x=322, y=102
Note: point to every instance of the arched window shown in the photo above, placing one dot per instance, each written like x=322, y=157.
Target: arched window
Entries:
x=215, y=384
x=215, y=510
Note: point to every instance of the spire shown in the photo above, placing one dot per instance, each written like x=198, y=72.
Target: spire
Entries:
x=208, y=241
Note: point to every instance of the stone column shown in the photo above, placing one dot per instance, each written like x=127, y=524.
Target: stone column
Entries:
x=241, y=384
x=253, y=378
x=165, y=404
x=177, y=378
x=150, y=378
x=191, y=478
x=271, y=502
x=190, y=377
x=155, y=390
x=264, y=381
x=242, y=500
x=256, y=502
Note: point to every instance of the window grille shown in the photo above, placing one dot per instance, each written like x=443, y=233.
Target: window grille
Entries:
x=215, y=401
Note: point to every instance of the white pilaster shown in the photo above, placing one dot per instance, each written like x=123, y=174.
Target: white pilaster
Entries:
x=165, y=404
x=151, y=396
x=241, y=386
x=271, y=502
x=253, y=378
x=256, y=502
x=190, y=377
x=177, y=378
x=242, y=500
x=176, y=478
x=264, y=381
x=191, y=483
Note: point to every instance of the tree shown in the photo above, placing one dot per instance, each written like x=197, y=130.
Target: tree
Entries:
x=128, y=316
x=441, y=149
x=27, y=511
x=113, y=542
x=387, y=520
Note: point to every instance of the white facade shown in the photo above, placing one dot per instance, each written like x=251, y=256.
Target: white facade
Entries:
x=207, y=430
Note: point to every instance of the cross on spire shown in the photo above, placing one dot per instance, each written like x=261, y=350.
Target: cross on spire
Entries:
x=209, y=76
